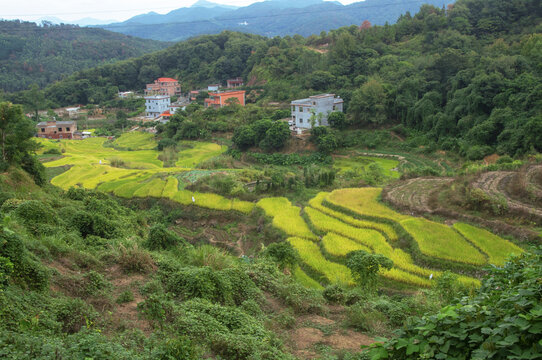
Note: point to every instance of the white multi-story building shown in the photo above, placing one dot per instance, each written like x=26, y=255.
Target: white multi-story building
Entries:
x=156, y=105
x=318, y=105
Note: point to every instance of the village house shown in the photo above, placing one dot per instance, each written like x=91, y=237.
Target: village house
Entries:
x=319, y=105
x=234, y=83
x=156, y=105
x=213, y=87
x=163, y=86
x=56, y=129
x=220, y=99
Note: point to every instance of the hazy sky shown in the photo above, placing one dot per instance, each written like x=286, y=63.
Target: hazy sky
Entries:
x=69, y=10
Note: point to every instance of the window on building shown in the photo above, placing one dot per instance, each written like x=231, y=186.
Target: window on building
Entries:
x=333, y=107
x=67, y=129
x=42, y=129
x=314, y=102
x=300, y=109
x=59, y=129
x=293, y=108
x=300, y=120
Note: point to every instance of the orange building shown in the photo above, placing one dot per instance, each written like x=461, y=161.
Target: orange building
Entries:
x=220, y=99
x=164, y=86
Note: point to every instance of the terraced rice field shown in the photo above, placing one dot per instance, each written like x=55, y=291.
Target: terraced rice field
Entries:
x=497, y=248
x=136, y=140
x=142, y=174
x=440, y=241
x=310, y=254
x=344, y=220
x=364, y=201
x=286, y=217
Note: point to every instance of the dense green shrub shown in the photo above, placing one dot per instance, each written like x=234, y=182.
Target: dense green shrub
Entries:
x=502, y=320
x=27, y=270
x=83, y=221
x=230, y=332
x=73, y=314
x=334, y=294
x=283, y=254
x=35, y=168
x=160, y=238
x=33, y=212
x=179, y=347
x=204, y=283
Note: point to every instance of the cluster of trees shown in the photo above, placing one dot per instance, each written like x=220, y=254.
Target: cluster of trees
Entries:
x=266, y=134
x=32, y=54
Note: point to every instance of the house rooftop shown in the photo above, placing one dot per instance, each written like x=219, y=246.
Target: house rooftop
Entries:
x=156, y=97
x=165, y=79
x=55, y=123
x=308, y=101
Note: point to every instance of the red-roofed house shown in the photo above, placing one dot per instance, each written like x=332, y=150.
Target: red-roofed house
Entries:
x=220, y=99
x=164, y=86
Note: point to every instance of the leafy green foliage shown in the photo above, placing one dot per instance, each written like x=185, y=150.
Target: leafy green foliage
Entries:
x=365, y=267
x=160, y=238
x=283, y=254
x=501, y=320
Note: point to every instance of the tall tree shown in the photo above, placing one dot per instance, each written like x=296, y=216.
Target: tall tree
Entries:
x=16, y=133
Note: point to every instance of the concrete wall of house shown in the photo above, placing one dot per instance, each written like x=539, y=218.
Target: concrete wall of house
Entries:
x=301, y=113
x=156, y=105
x=55, y=130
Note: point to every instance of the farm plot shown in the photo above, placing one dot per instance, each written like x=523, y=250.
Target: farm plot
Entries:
x=497, y=248
x=286, y=217
x=385, y=229
x=440, y=241
x=389, y=166
x=310, y=254
x=198, y=152
x=338, y=245
x=364, y=201
x=135, y=140
x=414, y=194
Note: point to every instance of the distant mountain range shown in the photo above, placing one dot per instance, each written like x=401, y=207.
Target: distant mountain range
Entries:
x=267, y=18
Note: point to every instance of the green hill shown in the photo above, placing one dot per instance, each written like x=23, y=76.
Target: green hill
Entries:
x=43, y=54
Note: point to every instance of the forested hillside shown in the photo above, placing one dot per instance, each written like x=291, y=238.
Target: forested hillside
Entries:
x=465, y=79
x=43, y=54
